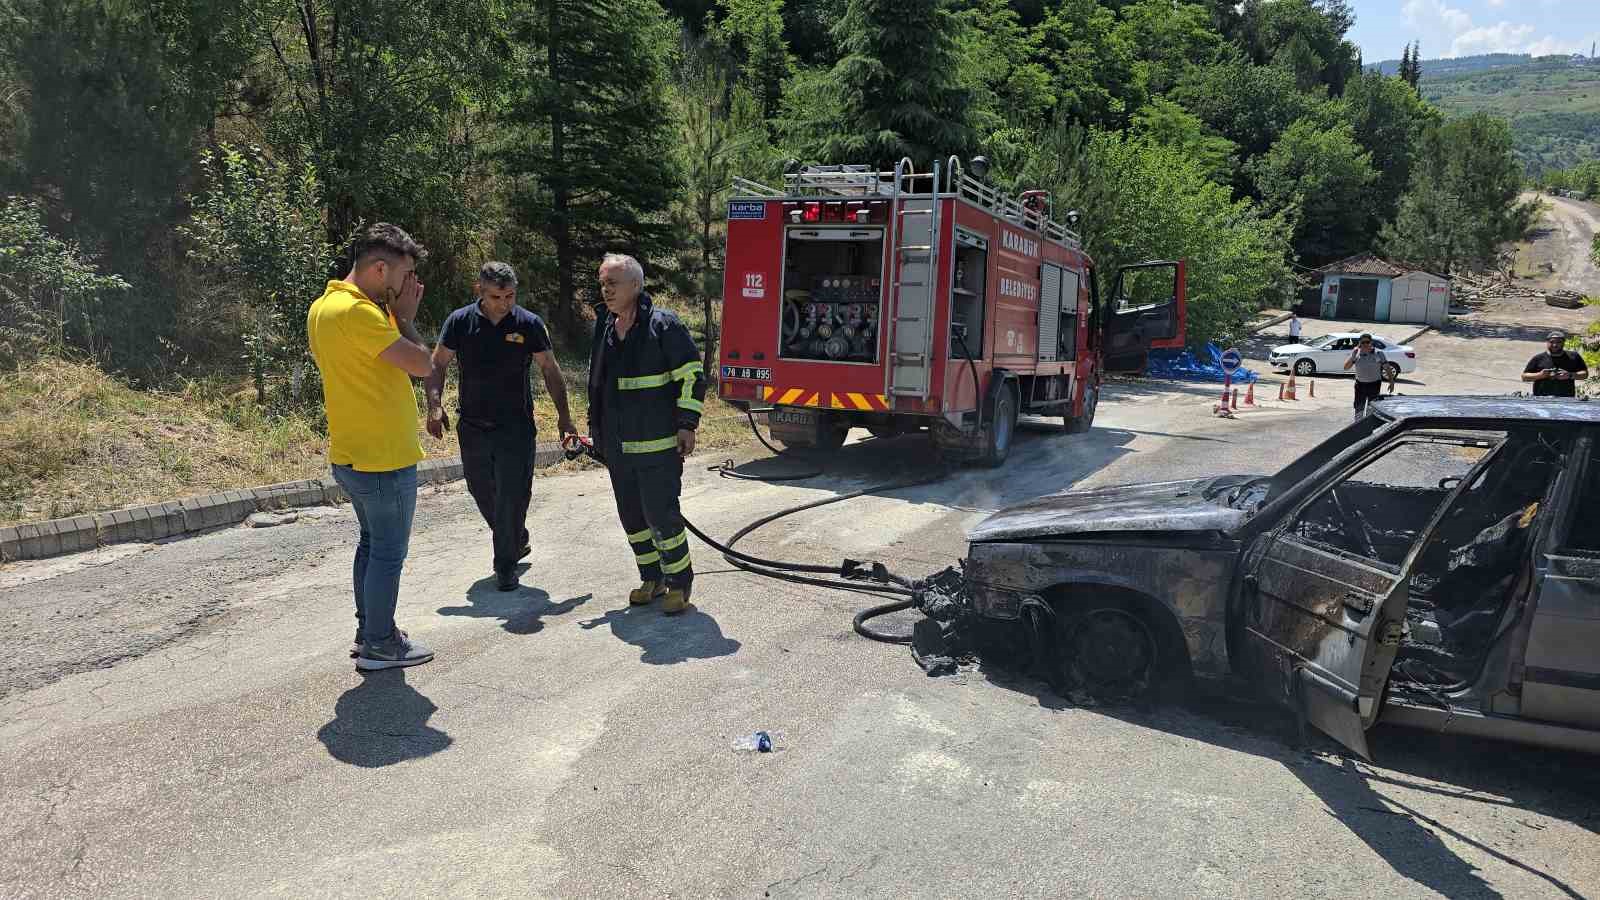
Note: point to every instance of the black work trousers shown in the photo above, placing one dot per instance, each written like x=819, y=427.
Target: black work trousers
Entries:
x=647, y=504
x=1366, y=392
x=497, y=460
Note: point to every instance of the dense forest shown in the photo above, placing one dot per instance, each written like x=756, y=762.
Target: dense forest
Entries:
x=179, y=176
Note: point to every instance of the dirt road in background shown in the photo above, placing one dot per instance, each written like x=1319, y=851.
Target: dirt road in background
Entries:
x=1565, y=244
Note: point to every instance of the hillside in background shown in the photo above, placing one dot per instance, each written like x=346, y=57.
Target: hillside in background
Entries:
x=1552, y=103
x=1442, y=68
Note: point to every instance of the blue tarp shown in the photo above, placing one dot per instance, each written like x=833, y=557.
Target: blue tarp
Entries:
x=1184, y=365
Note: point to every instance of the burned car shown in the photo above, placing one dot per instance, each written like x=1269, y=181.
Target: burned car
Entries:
x=1435, y=564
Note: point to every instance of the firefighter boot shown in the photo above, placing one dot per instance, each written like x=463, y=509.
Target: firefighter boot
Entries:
x=677, y=600
x=647, y=593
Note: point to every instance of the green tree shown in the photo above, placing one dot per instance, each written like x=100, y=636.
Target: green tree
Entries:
x=51, y=293
x=1321, y=179
x=1248, y=104
x=1092, y=64
x=1387, y=117
x=588, y=147
x=1170, y=125
x=1140, y=200
x=720, y=135
x=382, y=99
x=1167, y=39
x=1411, y=67
x=1462, y=203
x=893, y=94
x=751, y=34
x=996, y=54
x=1305, y=36
x=258, y=227
x=111, y=100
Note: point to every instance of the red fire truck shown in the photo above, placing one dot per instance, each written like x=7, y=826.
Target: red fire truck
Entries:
x=897, y=301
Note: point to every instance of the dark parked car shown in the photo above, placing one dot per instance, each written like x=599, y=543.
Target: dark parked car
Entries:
x=1435, y=564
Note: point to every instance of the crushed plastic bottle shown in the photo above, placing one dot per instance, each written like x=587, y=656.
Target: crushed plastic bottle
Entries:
x=760, y=742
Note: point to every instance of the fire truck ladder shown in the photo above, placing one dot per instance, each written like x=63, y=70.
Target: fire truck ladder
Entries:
x=916, y=243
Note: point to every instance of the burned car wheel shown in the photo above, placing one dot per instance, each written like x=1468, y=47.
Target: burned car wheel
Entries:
x=1113, y=653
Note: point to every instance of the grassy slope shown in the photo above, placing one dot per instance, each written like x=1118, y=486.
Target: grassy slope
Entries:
x=74, y=439
x=1553, y=107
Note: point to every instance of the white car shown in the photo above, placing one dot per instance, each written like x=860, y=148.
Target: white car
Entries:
x=1327, y=354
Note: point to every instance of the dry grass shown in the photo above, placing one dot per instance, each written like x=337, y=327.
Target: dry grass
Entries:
x=75, y=440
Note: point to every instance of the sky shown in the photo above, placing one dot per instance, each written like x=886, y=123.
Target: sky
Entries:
x=1449, y=28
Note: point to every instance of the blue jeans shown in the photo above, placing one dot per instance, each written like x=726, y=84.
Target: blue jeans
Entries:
x=385, y=503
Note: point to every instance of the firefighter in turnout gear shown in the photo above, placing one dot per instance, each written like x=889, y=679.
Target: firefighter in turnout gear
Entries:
x=646, y=386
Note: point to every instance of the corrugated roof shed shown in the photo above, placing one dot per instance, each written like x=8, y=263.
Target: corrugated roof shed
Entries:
x=1364, y=264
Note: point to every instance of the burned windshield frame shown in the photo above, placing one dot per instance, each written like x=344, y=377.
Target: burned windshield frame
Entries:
x=1322, y=454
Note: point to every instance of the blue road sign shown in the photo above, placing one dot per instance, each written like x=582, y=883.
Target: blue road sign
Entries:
x=1231, y=361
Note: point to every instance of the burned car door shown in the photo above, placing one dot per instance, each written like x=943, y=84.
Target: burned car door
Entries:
x=1147, y=309
x=1561, y=674
x=1326, y=591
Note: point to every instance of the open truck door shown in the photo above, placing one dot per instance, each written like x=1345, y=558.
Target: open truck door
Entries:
x=1146, y=310
x=1322, y=597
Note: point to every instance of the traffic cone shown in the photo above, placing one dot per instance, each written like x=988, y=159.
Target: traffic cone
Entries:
x=1313, y=389
x=1289, y=391
x=1235, y=398
x=1280, y=392
x=1250, y=394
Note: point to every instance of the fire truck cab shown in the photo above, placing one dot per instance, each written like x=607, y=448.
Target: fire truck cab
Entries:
x=897, y=301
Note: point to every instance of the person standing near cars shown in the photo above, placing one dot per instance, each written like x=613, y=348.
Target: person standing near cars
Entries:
x=497, y=342
x=1367, y=361
x=646, y=387
x=1294, y=327
x=1557, y=371
x=365, y=344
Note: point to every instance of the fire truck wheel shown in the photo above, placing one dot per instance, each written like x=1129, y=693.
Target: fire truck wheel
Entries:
x=1002, y=429
x=1080, y=424
x=831, y=435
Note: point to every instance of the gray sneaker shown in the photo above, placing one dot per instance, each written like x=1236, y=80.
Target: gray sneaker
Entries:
x=396, y=653
x=355, y=644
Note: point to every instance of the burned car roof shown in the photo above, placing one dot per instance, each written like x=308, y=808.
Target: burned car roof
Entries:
x=1506, y=408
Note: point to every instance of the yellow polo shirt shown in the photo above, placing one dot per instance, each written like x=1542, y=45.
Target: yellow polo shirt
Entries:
x=372, y=411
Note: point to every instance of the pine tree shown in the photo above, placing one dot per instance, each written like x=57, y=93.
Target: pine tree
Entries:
x=1411, y=66
x=590, y=147
x=895, y=91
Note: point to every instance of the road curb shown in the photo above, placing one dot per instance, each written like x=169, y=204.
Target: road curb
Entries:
x=1405, y=341
x=156, y=521
x=1257, y=329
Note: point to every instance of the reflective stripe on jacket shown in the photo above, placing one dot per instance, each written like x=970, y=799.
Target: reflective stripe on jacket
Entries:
x=660, y=386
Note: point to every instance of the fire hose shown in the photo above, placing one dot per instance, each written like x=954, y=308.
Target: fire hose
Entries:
x=859, y=576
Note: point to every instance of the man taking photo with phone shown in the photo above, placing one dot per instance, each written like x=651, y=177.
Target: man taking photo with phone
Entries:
x=1557, y=371
x=1367, y=361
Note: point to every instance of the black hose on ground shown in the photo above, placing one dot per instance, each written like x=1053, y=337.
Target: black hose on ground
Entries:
x=726, y=469
x=852, y=575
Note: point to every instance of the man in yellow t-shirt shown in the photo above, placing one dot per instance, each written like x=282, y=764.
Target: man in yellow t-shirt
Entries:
x=367, y=349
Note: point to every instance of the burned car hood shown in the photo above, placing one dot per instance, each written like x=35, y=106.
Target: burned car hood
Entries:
x=1198, y=505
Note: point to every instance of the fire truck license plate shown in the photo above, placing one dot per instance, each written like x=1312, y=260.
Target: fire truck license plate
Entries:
x=804, y=418
x=747, y=373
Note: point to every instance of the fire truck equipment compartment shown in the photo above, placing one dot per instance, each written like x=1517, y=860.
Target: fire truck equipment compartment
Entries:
x=832, y=294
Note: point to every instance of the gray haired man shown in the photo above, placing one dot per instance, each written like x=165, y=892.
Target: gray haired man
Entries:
x=497, y=341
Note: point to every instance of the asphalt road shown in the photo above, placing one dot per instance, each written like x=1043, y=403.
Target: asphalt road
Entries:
x=183, y=720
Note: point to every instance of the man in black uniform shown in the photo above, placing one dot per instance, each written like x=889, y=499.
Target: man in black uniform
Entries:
x=1556, y=372
x=646, y=386
x=497, y=341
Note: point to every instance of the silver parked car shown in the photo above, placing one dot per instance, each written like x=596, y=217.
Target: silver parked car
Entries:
x=1435, y=564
